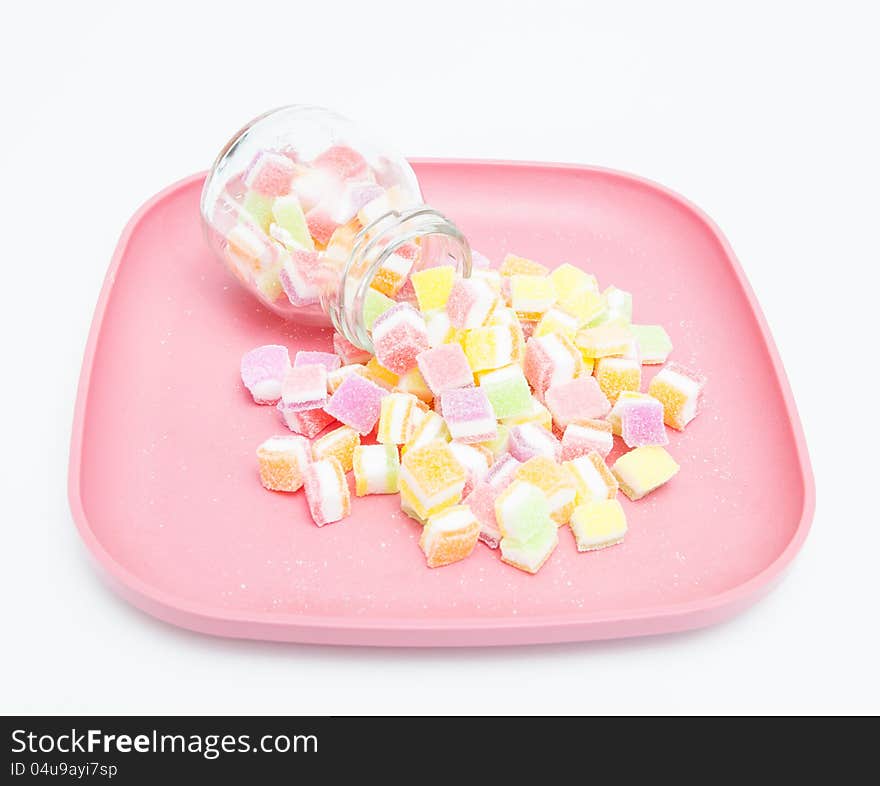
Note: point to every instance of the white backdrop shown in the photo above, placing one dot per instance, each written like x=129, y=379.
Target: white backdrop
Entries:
x=764, y=114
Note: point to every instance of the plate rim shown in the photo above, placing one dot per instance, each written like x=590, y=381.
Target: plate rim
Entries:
x=461, y=631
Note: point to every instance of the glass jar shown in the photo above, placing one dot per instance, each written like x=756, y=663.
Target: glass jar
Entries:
x=320, y=222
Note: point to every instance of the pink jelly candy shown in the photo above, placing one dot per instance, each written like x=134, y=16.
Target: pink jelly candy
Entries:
x=307, y=357
x=321, y=224
x=470, y=303
x=304, y=387
x=468, y=415
x=327, y=491
x=550, y=360
x=263, y=370
x=445, y=368
x=501, y=473
x=357, y=402
x=348, y=352
x=341, y=161
x=579, y=399
x=641, y=423
x=407, y=293
x=270, y=174
x=579, y=439
x=309, y=422
x=481, y=501
x=299, y=277
x=399, y=335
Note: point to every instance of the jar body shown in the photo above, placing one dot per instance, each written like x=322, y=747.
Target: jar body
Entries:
x=310, y=214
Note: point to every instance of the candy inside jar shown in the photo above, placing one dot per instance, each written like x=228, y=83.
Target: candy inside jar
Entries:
x=321, y=223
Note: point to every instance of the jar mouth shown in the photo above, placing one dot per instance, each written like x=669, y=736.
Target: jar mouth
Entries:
x=376, y=243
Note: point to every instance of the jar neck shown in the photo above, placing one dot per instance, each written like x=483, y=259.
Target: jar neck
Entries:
x=440, y=242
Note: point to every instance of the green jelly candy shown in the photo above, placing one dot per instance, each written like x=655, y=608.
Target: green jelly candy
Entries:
x=523, y=512
x=654, y=343
x=258, y=208
x=507, y=391
x=288, y=214
x=375, y=304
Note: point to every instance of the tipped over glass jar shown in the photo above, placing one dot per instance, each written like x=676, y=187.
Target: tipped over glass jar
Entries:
x=321, y=223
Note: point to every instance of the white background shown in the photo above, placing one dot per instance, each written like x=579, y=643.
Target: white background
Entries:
x=765, y=114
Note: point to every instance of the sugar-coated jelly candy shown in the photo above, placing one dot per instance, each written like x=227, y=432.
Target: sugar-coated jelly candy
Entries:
x=449, y=536
x=283, y=461
x=263, y=370
x=327, y=491
x=598, y=525
x=643, y=470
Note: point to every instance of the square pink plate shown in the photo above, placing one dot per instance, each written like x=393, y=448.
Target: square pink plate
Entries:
x=163, y=478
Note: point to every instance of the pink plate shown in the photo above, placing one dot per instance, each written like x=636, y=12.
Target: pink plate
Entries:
x=163, y=482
